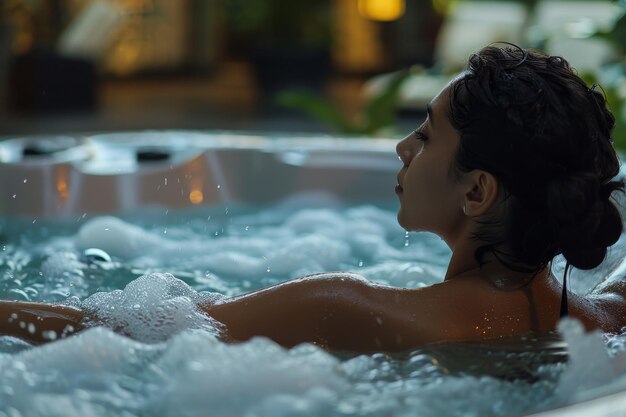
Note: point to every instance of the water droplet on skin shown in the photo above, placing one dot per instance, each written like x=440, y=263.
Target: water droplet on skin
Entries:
x=67, y=330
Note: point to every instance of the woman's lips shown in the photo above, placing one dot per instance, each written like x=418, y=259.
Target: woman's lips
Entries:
x=399, y=188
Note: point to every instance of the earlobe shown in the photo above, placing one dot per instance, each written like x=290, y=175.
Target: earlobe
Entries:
x=482, y=193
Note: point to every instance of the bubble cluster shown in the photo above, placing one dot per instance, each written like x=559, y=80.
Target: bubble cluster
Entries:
x=151, y=308
x=305, y=242
x=63, y=276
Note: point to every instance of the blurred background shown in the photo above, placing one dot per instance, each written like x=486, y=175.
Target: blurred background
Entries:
x=364, y=67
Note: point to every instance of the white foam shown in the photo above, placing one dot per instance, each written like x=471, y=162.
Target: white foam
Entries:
x=308, y=241
x=76, y=376
x=590, y=366
x=583, y=373
x=406, y=274
x=151, y=308
x=63, y=276
x=235, y=377
x=116, y=237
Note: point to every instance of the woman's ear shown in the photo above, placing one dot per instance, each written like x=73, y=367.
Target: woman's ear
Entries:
x=481, y=193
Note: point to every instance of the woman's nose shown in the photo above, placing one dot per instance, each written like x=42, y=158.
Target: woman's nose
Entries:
x=404, y=151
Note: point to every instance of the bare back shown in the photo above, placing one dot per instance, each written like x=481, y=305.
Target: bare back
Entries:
x=345, y=312
x=353, y=314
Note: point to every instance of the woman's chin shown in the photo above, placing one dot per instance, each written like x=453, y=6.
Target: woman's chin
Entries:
x=404, y=222
x=409, y=224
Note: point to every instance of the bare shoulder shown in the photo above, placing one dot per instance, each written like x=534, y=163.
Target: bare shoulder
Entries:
x=456, y=310
x=346, y=311
x=610, y=307
x=472, y=308
x=338, y=311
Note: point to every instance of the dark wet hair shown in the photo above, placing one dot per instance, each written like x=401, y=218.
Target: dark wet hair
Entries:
x=527, y=118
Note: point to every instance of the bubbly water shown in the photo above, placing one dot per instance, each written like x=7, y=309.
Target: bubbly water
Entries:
x=173, y=364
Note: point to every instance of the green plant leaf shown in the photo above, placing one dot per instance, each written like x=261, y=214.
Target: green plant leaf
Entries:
x=616, y=105
x=380, y=111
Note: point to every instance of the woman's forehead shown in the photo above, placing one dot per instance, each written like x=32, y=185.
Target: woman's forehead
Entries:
x=439, y=105
x=441, y=101
x=439, y=119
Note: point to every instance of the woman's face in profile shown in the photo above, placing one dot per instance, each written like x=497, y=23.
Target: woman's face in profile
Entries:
x=429, y=199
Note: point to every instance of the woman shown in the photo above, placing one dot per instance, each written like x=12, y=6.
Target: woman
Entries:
x=513, y=166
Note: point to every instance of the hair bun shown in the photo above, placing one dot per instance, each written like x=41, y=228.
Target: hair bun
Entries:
x=569, y=198
x=584, y=258
x=586, y=221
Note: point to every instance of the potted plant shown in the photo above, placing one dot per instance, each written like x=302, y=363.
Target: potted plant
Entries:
x=376, y=118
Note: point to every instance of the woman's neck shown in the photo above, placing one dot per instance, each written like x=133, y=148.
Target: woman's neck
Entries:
x=464, y=264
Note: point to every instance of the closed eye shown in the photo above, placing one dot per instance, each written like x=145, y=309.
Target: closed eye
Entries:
x=419, y=135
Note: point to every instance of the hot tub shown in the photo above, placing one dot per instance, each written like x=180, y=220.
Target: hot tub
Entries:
x=112, y=173
x=185, y=216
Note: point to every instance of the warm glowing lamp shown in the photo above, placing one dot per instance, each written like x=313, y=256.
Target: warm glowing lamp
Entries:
x=62, y=186
x=381, y=10
x=196, y=196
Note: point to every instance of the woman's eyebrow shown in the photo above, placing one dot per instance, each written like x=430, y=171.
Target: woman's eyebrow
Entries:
x=429, y=111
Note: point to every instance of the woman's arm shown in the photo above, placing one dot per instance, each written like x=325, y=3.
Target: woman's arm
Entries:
x=338, y=311
x=38, y=323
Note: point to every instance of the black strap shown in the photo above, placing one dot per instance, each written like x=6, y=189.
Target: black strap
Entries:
x=564, y=311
